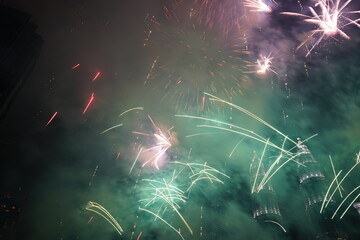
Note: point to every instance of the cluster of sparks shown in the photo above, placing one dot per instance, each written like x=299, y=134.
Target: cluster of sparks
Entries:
x=330, y=19
x=257, y=6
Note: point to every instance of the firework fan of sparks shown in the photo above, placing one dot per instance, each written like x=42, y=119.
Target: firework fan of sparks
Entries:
x=197, y=49
x=330, y=17
x=154, y=155
x=257, y=6
x=263, y=65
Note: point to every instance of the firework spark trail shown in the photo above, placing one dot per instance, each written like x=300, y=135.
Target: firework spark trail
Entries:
x=349, y=206
x=94, y=173
x=282, y=165
x=169, y=194
x=246, y=135
x=337, y=182
x=137, y=157
x=262, y=182
x=207, y=133
x=202, y=172
x=343, y=201
x=131, y=109
x=96, y=76
x=100, y=210
x=257, y=171
x=257, y=6
x=224, y=123
x=232, y=152
x=327, y=192
x=90, y=101
x=76, y=66
x=162, y=144
x=331, y=14
x=345, y=176
x=139, y=236
x=51, y=119
x=157, y=216
x=270, y=221
x=214, y=98
x=116, y=126
x=90, y=219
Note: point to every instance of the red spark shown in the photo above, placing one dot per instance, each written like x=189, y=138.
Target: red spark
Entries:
x=90, y=101
x=96, y=76
x=75, y=66
x=53, y=116
x=92, y=217
x=139, y=236
x=118, y=155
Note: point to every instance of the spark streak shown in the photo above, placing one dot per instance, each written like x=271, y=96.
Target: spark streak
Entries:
x=52, y=118
x=343, y=201
x=270, y=221
x=97, y=208
x=90, y=101
x=96, y=76
x=76, y=66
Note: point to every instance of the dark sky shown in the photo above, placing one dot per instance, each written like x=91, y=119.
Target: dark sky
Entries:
x=54, y=165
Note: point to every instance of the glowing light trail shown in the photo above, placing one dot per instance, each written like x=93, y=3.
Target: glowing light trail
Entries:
x=90, y=101
x=333, y=168
x=76, y=66
x=100, y=210
x=96, y=76
x=157, y=216
x=327, y=192
x=342, y=181
x=51, y=119
x=343, y=201
x=270, y=221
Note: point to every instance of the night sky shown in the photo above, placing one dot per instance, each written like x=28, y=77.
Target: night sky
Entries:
x=193, y=47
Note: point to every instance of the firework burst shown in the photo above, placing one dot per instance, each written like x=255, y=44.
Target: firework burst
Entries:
x=257, y=6
x=198, y=48
x=330, y=18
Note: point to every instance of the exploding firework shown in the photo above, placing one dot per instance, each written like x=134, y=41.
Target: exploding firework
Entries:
x=198, y=48
x=263, y=65
x=257, y=6
x=155, y=154
x=330, y=17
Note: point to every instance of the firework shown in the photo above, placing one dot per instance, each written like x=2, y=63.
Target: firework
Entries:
x=167, y=195
x=89, y=102
x=263, y=65
x=76, y=66
x=343, y=201
x=157, y=152
x=202, y=172
x=96, y=76
x=100, y=210
x=330, y=18
x=257, y=6
x=197, y=49
x=51, y=119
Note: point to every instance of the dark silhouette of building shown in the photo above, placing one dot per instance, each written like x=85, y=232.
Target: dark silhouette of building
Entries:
x=19, y=48
x=312, y=184
x=265, y=206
